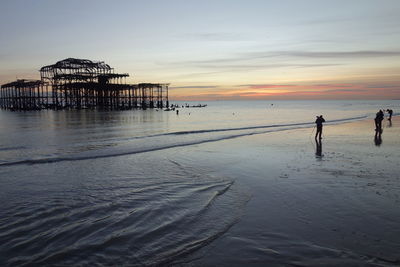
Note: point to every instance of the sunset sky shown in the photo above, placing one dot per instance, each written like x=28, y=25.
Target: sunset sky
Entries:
x=299, y=49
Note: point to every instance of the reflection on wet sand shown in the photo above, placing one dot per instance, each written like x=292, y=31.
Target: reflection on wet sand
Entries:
x=378, y=137
x=318, y=149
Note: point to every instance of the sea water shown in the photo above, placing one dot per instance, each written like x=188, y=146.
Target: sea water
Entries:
x=104, y=187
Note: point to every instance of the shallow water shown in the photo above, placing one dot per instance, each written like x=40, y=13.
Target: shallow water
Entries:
x=84, y=187
x=52, y=136
x=144, y=210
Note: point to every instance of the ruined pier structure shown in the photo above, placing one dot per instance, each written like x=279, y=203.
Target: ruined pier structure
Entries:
x=81, y=84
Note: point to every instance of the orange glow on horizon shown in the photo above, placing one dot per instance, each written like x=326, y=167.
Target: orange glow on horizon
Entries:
x=277, y=91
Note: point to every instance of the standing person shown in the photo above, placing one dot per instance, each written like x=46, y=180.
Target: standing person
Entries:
x=390, y=114
x=378, y=120
x=319, y=122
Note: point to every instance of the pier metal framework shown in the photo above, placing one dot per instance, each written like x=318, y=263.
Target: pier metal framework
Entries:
x=24, y=95
x=81, y=84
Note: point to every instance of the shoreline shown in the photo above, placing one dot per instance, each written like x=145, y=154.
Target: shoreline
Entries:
x=276, y=128
x=340, y=208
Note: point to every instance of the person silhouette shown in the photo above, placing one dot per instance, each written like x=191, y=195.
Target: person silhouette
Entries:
x=390, y=114
x=378, y=120
x=319, y=122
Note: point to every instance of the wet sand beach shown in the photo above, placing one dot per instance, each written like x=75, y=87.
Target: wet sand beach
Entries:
x=338, y=209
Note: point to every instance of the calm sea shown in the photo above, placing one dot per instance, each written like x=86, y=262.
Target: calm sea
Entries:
x=103, y=187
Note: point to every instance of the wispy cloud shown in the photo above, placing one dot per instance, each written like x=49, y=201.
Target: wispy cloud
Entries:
x=212, y=36
x=259, y=60
x=293, y=92
x=340, y=85
x=289, y=91
x=311, y=54
x=242, y=67
x=223, y=68
x=194, y=87
x=325, y=20
x=299, y=53
x=383, y=86
x=336, y=54
x=325, y=86
x=343, y=91
x=266, y=86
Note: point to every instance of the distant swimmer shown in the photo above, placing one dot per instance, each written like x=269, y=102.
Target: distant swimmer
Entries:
x=390, y=113
x=378, y=120
x=319, y=122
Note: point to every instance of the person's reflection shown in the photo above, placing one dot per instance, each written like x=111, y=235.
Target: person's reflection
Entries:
x=318, y=150
x=389, y=123
x=378, y=137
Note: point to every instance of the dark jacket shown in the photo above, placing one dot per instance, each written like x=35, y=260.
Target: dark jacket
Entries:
x=319, y=121
x=379, y=116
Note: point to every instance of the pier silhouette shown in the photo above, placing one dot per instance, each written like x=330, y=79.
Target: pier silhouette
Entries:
x=81, y=84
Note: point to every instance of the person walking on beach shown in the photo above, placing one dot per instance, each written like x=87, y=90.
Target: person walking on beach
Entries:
x=378, y=120
x=390, y=114
x=319, y=122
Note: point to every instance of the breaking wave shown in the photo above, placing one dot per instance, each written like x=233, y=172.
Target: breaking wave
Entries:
x=160, y=142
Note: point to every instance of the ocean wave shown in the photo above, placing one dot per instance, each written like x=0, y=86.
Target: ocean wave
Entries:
x=12, y=148
x=245, y=128
x=207, y=139
x=263, y=126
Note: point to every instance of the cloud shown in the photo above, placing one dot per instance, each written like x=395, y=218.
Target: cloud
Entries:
x=293, y=54
x=319, y=88
x=337, y=54
x=266, y=86
x=262, y=60
x=382, y=86
x=343, y=91
x=299, y=87
x=222, y=68
x=212, y=36
x=194, y=87
x=266, y=66
x=294, y=94
x=334, y=85
x=320, y=21
x=356, y=90
x=251, y=56
x=329, y=90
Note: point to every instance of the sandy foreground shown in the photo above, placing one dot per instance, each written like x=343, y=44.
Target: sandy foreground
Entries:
x=340, y=208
